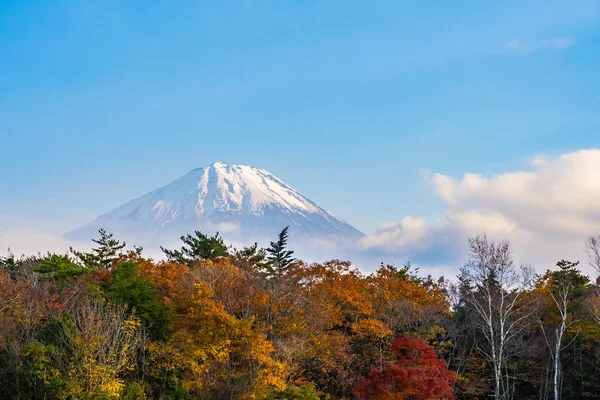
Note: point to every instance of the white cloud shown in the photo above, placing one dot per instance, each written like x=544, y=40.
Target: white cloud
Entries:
x=516, y=46
x=32, y=243
x=224, y=227
x=557, y=44
x=410, y=232
x=22, y=236
x=546, y=212
x=521, y=47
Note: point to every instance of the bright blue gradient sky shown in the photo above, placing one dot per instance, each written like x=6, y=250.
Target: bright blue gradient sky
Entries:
x=346, y=101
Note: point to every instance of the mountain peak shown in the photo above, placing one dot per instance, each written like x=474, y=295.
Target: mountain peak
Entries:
x=244, y=201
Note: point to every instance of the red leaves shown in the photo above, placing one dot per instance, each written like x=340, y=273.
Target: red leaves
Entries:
x=415, y=374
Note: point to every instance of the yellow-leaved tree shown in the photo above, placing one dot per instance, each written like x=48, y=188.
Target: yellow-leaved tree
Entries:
x=211, y=354
x=104, y=340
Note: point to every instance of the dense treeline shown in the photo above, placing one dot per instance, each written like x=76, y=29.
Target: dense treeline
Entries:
x=212, y=322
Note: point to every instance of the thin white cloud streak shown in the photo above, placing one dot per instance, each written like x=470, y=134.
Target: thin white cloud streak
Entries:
x=523, y=48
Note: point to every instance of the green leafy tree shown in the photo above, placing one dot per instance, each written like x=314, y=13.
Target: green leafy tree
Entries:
x=41, y=379
x=141, y=295
x=197, y=248
x=104, y=255
x=279, y=256
x=303, y=392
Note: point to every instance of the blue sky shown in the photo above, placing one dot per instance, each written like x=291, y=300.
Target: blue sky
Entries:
x=346, y=101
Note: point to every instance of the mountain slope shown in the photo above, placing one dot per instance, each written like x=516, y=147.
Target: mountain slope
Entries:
x=241, y=202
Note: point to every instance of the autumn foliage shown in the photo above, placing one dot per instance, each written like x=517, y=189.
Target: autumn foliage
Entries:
x=212, y=322
x=415, y=373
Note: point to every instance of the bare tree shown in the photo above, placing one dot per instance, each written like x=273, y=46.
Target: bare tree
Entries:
x=104, y=340
x=592, y=248
x=495, y=297
x=564, y=286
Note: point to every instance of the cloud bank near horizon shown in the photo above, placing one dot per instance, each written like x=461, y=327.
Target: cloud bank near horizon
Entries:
x=546, y=212
x=21, y=236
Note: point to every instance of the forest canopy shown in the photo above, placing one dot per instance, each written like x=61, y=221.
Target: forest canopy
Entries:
x=213, y=322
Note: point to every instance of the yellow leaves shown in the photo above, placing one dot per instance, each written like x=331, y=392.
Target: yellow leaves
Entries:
x=112, y=388
x=237, y=333
x=105, y=339
x=405, y=303
x=211, y=347
x=232, y=333
x=268, y=372
x=371, y=328
x=164, y=360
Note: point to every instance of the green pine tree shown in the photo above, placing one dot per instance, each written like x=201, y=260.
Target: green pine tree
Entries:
x=198, y=247
x=252, y=256
x=279, y=257
x=58, y=267
x=9, y=263
x=104, y=255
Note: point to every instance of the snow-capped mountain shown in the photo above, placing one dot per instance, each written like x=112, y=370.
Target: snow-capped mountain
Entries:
x=242, y=202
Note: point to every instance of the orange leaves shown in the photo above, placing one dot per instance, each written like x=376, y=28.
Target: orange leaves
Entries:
x=170, y=278
x=24, y=308
x=233, y=331
x=337, y=289
x=212, y=348
x=371, y=328
x=239, y=291
x=406, y=303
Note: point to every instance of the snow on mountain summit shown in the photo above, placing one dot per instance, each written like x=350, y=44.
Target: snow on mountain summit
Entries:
x=236, y=199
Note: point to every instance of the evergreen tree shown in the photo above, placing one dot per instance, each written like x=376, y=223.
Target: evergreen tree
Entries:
x=279, y=257
x=58, y=267
x=141, y=295
x=108, y=250
x=252, y=256
x=198, y=247
x=9, y=263
x=567, y=288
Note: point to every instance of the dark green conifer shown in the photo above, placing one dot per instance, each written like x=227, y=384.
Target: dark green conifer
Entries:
x=104, y=255
x=279, y=257
x=198, y=247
